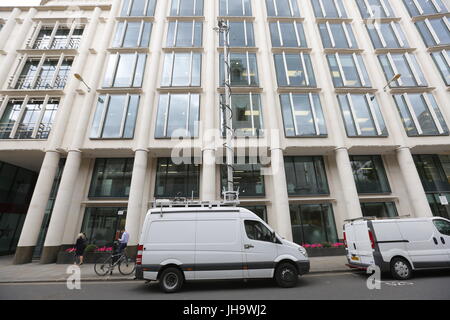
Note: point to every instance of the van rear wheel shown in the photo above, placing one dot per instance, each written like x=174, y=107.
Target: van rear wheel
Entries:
x=171, y=280
x=401, y=269
x=286, y=275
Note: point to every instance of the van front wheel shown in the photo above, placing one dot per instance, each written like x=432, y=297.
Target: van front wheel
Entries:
x=171, y=280
x=401, y=269
x=286, y=275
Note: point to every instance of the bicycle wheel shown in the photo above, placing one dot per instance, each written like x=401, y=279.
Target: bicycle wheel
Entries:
x=102, y=268
x=126, y=266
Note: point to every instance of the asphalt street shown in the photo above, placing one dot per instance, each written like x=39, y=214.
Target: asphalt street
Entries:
x=431, y=285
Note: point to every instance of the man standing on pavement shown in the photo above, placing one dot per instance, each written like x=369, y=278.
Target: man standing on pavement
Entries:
x=123, y=241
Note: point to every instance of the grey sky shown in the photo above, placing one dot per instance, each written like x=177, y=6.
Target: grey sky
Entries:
x=19, y=2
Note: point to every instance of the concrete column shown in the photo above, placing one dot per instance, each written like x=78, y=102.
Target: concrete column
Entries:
x=36, y=210
x=348, y=185
x=416, y=193
x=15, y=45
x=210, y=106
x=279, y=215
x=69, y=177
x=61, y=209
x=135, y=204
x=8, y=27
x=280, y=199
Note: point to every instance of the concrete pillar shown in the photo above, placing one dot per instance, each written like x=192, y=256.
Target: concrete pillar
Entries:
x=210, y=107
x=348, y=185
x=61, y=209
x=36, y=210
x=16, y=44
x=416, y=193
x=279, y=215
x=8, y=27
x=69, y=177
x=135, y=205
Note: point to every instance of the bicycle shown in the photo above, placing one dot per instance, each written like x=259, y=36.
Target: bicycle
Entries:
x=125, y=264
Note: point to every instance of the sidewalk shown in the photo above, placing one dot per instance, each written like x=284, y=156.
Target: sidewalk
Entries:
x=36, y=272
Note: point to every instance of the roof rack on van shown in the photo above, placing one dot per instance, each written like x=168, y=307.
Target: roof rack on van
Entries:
x=183, y=202
x=376, y=218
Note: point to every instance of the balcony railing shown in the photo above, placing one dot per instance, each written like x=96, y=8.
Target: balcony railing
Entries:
x=42, y=83
x=25, y=131
x=57, y=44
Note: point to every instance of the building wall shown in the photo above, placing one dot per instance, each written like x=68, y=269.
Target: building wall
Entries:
x=70, y=134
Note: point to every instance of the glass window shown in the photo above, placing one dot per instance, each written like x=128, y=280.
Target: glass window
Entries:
x=115, y=116
x=240, y=34
x=294, y=70
x=439, y=208
x=442, y=226
x=313, y=224
x=178, y=115
x=247, y=178
x=247, y=115
x=442, y=60
x=125, y=70
x=287, y=34
x=337, y=35
x=434, y=171
x=369, y=174
x=282, y=8
x=387, y=35
x=62, y=38
x=375, y=8
x=255, y=230
x=111, y=178
x=188, y=8
x=305, y=176
x=132, y=34
x=404, y=64
x=302, y=115
x=329, y=8
x=361, y=115
x=422, y=7
x=102, y=225
x=181, y=69
x=243, y=69
x=177, y=180
x=260, y=211
x=184, y=34
x=138, y=8
x=435, y=32
x=379, y=209
x=348, y=70
x=235, y=8
x=43, y=39
x=44, y=73
x=420, y=114
x=30, y=120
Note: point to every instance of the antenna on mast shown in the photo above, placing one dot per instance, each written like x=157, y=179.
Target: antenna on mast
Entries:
x=229, y=194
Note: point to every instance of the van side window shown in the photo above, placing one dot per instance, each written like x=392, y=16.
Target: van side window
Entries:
x=442, y=226
x=257, y=231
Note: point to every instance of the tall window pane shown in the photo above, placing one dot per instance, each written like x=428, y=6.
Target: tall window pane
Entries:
x=176, y=180
x=329, y=8
x=369, y=174
x=247, y=178
x=282, y=8
x=247, y=114
x=111, y=178
x=442, y=60
x=187, y=8
x=305, y=176
x=287, y=34
x=235, y=8
x=244, y=70
x=184, y=34
x=294, y=70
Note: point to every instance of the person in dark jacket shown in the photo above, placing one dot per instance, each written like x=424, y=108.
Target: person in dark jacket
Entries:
x=80, y=245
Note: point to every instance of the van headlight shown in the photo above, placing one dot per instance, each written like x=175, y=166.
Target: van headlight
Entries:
x=303, y=251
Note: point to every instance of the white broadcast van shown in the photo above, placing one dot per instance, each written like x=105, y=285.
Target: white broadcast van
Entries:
x=187, y=243
x=399, y=245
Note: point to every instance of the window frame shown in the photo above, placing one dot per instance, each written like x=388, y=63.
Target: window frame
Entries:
x=298, y=31
x=38, y=123
x=374, y=29
x=115, y=58
x=249, y=67
x=347, y=31
x=425, y=97
x=173, y=67
x=244, y=3
x=377, y=162
x=249, y=34
x=149, y=4
x=384, y=4
x=432, y=31
x=32, y=43
x=123, y=34
x=173, y=32
x=338, y=5
x=418, y=7
x=200, y=8
x=293, y=5
x=313, y=160
x=310, y=79
x=444, y=55
x=361, y=71
x=410, y=62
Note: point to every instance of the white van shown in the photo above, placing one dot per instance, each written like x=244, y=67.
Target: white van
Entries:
x=205, y=243
x=398, y=246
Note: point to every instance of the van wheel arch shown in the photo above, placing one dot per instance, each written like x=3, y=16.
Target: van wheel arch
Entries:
x=287, y=261
x=171, y=265
x=406, y=261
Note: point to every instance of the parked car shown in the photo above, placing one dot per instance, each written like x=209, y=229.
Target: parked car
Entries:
x=398, y=246
x=208, y=243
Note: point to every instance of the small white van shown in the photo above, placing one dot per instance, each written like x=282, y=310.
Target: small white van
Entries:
x=205, y=243
x=398, y=246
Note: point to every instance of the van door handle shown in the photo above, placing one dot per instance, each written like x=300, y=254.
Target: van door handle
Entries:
x=442, y=240
x=435, y=241
x=248, y=246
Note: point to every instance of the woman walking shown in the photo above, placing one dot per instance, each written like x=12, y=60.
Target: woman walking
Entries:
x=80, y=245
